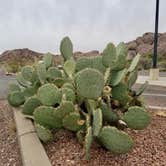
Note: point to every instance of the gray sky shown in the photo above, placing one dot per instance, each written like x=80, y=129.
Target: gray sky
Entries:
x=91, y=24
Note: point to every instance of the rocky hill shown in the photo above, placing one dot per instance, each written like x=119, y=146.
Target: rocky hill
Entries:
x=142, y=45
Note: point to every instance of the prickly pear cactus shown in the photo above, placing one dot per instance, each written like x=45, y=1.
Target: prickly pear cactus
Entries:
x=93, y=97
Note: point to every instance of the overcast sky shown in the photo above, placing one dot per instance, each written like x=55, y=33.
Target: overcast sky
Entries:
x=41, y=24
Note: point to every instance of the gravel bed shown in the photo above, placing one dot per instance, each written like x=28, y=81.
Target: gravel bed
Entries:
x=149, y=149
x=9, y=148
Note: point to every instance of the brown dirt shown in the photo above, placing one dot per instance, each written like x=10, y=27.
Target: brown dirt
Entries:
x=149, y=150
x=9, y=149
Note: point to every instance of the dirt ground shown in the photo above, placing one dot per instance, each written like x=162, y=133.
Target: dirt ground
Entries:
x=149, y=149
x=9, y=149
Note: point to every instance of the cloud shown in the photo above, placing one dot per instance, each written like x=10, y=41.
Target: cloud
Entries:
x=41, y=24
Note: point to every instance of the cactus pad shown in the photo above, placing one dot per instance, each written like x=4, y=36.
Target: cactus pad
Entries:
x=69, y=67
x=41, y=72
x=134, y=63
x=136, y=118
x=30, y=105
x=109, y=56
x=53, y=73
x=97, y=121
x=22, y=81
x=16, y=98
x=48, y=60
x=88, y=142
x=117, y=76
x=89, y=83
x=27, y=72
x=66, y=48
x=72, y=121
x=43, y=133
x=44, y=116
x=142, y=88
x=115, y=140
x=47, y=94
x=14, y=87
x=69, y=94
x=132, y=78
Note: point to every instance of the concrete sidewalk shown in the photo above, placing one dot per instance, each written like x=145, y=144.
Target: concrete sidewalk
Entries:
x=160, y=82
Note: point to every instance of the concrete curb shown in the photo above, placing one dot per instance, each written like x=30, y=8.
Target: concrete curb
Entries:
x=32, y=151
x=156, y=108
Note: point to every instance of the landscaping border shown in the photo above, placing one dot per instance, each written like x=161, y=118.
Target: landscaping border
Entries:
x=32, y=151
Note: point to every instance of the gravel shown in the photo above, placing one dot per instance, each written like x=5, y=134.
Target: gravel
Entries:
x=149, y=149
x=9, y=148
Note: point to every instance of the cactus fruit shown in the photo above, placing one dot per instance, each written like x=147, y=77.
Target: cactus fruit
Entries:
x=69, y=67
x=48, y=60
x=134, y=63
x=27, y=73
x=30, y=105
x=115, y=140
x=41, y=72
x=109, y=56
x=16, y=98
x=117, y=76
x=66, y=48
x=88, y=142
x=43, y=133
x=73, y=121
x=136, y=118
x=97, y=121
x=45, y=116
x=108, y=114
x=14, y=87
x=47, y=94
x=89, y=83
x=53, y=73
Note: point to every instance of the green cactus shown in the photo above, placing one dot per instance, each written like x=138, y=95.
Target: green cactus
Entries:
x=27, y=73
x=16, y=98
x=41, y=72
x=90, y=62
x=45, y=116
x=14, y=87
x=47, y=94
x=121, y=57
x=115, y=140
x=117, y=77
x=30, y=91
x=68, y=85
x=43, y=133
x=69, y=94
x=73, y=121
x=134, y=63
x=108, y=114
x=66, y=48
x=132, y=79
x=97, y=121
x=88, y=142
x=30, y=105
x=109, y=56
x=89, y=83
x=120, y=93
x=142, y=88
x=48, y=60
x=60, y=81
x=69, y=67
x=22, y=81
x=53, y=73
x=136, y=118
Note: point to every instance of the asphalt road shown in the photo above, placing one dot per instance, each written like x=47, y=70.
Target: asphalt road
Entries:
x=153, y=95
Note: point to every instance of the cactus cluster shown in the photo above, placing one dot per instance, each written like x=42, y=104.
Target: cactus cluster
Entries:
x=92, y=97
